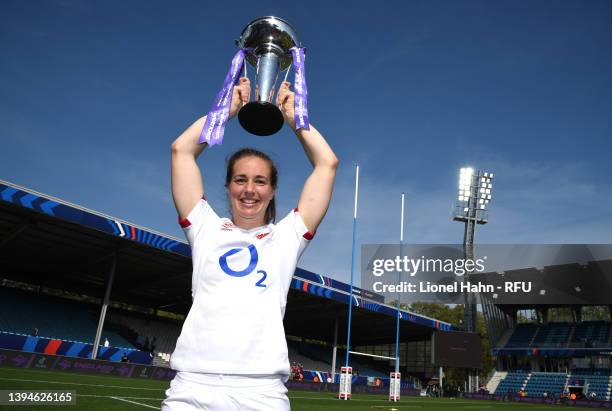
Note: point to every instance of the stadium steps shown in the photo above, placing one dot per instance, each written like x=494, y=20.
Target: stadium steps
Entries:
x=497, y=377
x=608, y=389
x=526, y=381
x=571, y=336
x=535, y=335
x=514, y=381
x=540, y=382
x=598, y=380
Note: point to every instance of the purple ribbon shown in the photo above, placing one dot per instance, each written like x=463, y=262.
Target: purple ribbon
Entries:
x=214, y=126
x=301, y=91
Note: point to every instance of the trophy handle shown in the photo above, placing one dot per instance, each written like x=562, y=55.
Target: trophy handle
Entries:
x=268, y=42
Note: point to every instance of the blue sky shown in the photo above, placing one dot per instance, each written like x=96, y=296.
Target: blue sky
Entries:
x=93, y=93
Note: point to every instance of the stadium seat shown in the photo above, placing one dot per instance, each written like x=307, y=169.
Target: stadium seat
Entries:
x=514, y=381
x=21, y=312
x=549, y=382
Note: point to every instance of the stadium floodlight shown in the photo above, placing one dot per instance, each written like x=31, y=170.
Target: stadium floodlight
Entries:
x=474, y=186
x=471, y=208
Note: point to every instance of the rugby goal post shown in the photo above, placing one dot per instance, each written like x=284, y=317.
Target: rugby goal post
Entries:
x=346, y=379
x=395, y=381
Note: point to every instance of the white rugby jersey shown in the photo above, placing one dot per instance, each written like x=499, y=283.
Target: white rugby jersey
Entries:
x=239, y=286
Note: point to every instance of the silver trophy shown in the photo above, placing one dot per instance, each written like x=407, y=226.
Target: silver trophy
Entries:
x=268, y=41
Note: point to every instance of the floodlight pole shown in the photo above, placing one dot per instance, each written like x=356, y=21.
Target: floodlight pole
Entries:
x=471, y=214
x=469, y=313
x=470, y=218
x=469, y=308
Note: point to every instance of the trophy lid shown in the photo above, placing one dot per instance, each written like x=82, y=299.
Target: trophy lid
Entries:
x=269, y=34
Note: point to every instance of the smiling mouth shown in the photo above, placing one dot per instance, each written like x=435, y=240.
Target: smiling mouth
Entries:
x=248, y=201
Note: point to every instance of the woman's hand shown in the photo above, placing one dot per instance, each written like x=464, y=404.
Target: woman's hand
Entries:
x=241, y=95
x=285, y=100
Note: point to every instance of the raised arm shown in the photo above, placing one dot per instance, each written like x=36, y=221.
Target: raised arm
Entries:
x=187, y=185
x=317, y=191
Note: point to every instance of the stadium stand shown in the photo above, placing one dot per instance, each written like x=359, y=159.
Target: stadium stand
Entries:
x=22, y=312
x=594, y=333
x=598, y=381
x=588, y=334
x=313, y=352
x=319, y=358
x=522, y=336
x=514, y=381
x=164, y=334
x=552, y=335
x=307, y=363
x=535, y=384
x=540, y=382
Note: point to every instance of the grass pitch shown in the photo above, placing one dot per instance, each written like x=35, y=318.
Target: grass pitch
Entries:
x=108, y=393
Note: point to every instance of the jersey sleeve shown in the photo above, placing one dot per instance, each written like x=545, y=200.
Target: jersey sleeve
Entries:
x=201, y=220
x=293, y=238
x=294, y=233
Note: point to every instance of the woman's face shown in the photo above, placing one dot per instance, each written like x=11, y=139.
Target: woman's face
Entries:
x=250, y=191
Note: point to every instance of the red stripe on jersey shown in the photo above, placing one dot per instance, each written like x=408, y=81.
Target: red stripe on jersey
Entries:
x=133, y=233
x=308, y=235
x=305, y=287
x=183, y=222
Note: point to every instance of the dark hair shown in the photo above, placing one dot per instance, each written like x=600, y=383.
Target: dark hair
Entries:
x=270, y=215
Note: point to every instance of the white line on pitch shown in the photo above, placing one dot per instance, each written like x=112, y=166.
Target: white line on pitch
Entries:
x=134, y=402
x=87, y=385
x=130, y=398
x=449, y=403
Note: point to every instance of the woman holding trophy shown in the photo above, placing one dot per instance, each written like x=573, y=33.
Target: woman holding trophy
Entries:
x=232, y=351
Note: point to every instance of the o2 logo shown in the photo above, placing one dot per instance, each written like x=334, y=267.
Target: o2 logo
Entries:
x=252, y=264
